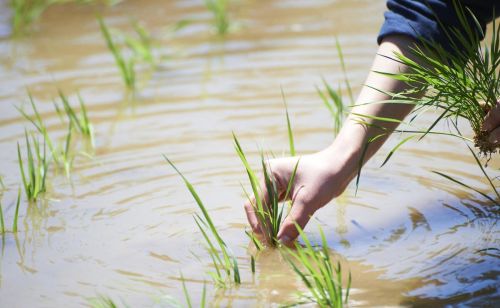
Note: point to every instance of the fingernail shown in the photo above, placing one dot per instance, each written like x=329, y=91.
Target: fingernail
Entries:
x=494, y=139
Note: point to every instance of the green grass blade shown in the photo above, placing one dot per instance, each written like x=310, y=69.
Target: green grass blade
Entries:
x=16, y=214
x=289, y=126
x=465, y=185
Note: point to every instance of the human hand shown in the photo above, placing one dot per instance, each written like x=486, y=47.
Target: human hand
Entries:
x=492, y=124
x=315, y=184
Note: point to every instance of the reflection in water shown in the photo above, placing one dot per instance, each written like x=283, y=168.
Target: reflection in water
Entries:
x=122, y=226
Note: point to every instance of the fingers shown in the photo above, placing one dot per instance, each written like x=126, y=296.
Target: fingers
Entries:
x=300, y=214
x=492, y=119
x=494, y=136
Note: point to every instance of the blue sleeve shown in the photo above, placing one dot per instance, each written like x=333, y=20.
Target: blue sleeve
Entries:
x=419, y=19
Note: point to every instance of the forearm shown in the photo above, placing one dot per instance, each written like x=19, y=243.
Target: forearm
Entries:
x=347, y=149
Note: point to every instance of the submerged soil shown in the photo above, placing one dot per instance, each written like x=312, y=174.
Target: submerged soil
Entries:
x=123, y=226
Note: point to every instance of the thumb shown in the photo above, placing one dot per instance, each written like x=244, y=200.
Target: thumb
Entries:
x=299, y=214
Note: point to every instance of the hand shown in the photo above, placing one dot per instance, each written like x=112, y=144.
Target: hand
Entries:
x=492, y=124
x=314, y=186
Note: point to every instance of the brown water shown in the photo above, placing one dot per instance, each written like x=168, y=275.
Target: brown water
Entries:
x=123, y=227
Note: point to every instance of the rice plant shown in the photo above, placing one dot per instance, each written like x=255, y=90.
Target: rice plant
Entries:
x=16, y=213
x=25, y=12
x=289, y=126
x=268, y=210
x=463, y=84
x=2, y=184
x=333, y=102
x=2, y=222
x=189, y=304
x=34, y=174
x=62, y=154
x=219, y=10
x=37, y=121
x=126, y=66
x=81, y=123
x=141, y=44
x=319, y=273
x=102, y=301
x=224, y=262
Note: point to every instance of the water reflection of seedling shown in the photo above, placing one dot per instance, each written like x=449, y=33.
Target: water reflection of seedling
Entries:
x=219, y=10
x=224, y=262
x=266, y=200
x=462, y=84
x=34, y=174
x=320, y=274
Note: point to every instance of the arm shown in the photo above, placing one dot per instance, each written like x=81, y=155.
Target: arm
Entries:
x=325, y=175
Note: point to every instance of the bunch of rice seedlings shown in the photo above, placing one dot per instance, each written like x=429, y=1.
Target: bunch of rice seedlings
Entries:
x=224, y=262
x=62, y=154
x=321, y=276
x=268, y=210
x=126, y=66
x=219, y=10
x=34, y=174
x=81, y=123
x=37, y=121
x=464, y=84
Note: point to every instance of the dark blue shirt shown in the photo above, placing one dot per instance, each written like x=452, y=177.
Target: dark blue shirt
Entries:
x=424, y=19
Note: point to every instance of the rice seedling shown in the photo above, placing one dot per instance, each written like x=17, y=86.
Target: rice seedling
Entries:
x=267, y=203
x=333, y=102
x=37, y=121
x=142, y=46
x=16, y=213
x=219, y=10
x=81, y=123
x=126, y=66
x=36, y=167
x=62, y=154
x=318, y=272
x=2, y=184
x=102, y=301
x=2, y=222
x=188, y=298
x=224, y=262
x=25, y=12
x=289, y=126
x=464, y=84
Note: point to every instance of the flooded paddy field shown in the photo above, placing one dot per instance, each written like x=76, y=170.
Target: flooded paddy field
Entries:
x=122, y=225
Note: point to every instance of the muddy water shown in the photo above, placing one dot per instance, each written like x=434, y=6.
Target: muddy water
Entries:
x=123, y=225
